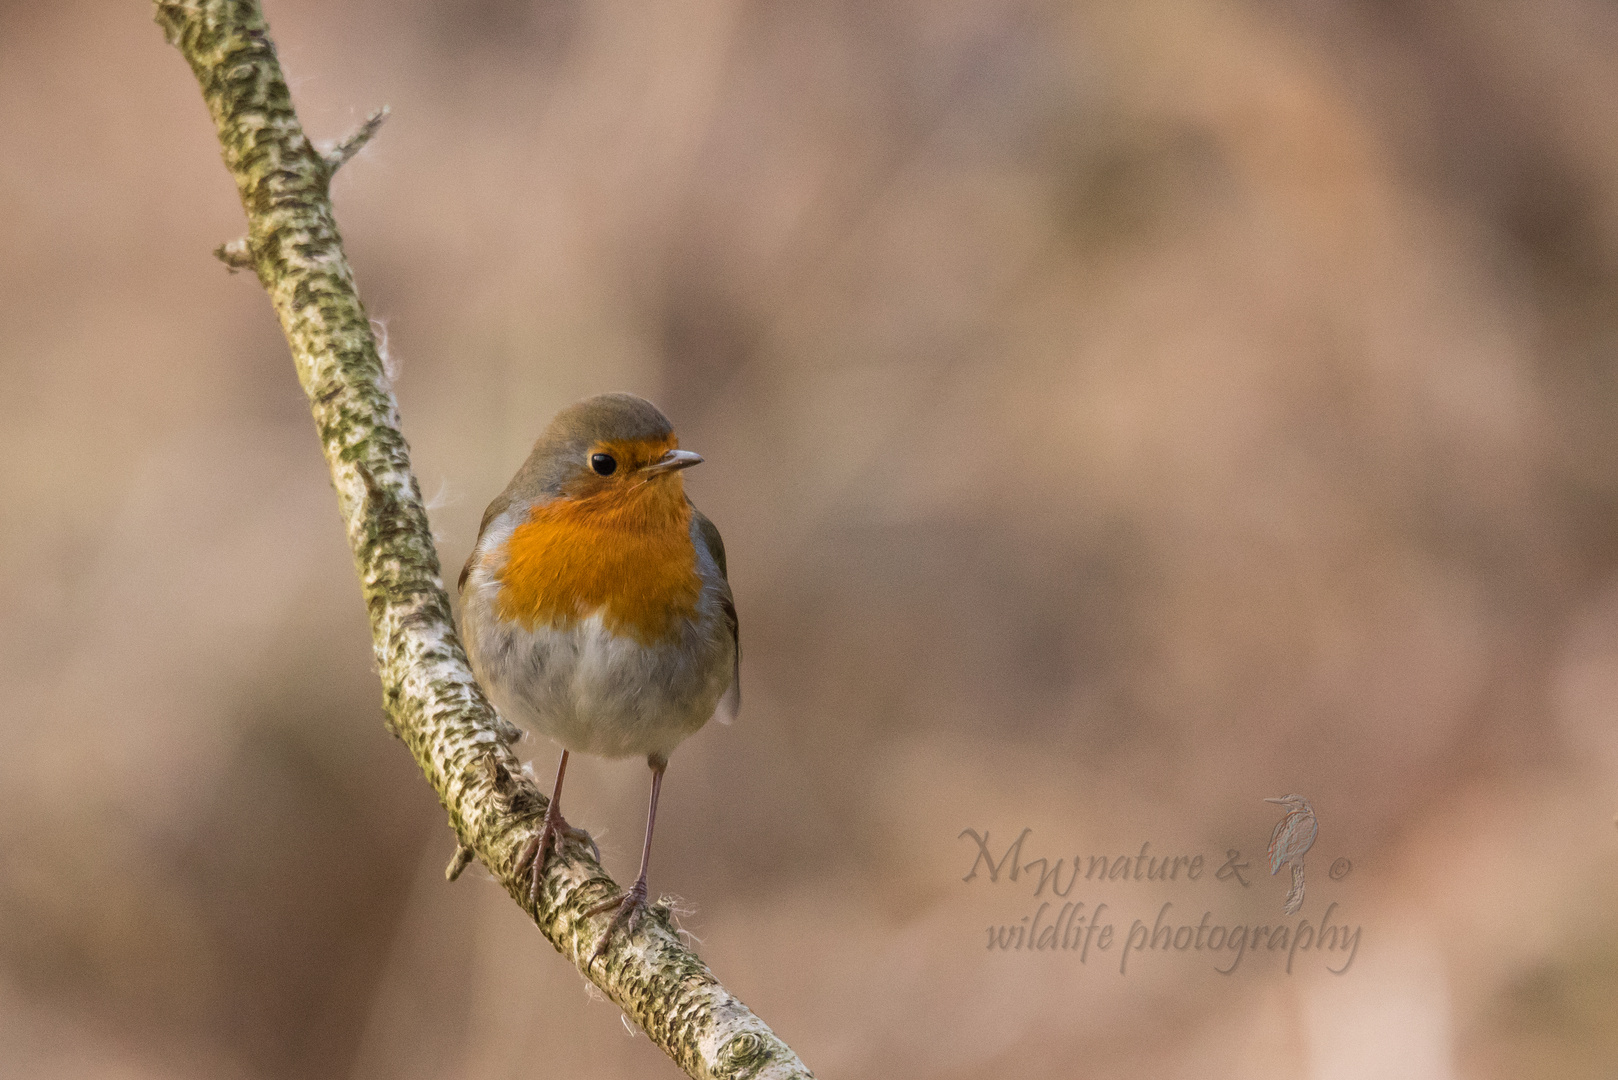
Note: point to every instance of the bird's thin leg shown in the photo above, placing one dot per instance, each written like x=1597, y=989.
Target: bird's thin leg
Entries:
x=543, y=842
x=634, y=900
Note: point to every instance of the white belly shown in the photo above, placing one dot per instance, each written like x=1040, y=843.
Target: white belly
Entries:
x=595, y=692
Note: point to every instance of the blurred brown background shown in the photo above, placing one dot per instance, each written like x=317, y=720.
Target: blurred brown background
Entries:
x=1116, y=413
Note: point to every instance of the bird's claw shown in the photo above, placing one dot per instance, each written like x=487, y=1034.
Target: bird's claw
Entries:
x=543, y=842
x=630, y=907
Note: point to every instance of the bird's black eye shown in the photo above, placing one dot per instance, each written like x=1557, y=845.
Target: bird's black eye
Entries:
x=604, y=464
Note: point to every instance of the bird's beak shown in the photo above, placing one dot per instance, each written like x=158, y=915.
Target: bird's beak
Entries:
x=1281, y=801
x=673, y=461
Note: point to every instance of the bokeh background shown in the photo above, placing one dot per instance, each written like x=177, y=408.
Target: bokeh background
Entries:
x=1116, y=414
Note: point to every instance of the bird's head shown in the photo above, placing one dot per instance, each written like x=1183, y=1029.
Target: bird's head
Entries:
x=1292, y=802
x=610, y=443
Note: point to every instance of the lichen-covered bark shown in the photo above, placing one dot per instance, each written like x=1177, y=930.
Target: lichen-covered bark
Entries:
x=433, y=703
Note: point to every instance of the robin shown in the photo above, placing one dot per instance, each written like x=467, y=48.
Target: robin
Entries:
x=596, y=609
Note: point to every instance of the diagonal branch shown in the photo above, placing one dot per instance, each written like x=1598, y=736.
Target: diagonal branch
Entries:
x=432, y=702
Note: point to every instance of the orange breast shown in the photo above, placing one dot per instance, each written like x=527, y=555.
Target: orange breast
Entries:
x=626, y=553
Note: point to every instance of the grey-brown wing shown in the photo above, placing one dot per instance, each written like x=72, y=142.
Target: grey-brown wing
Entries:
x=709, y=534
x=495, y=509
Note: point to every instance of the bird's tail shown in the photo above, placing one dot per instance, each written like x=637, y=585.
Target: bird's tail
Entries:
x=1294, y=899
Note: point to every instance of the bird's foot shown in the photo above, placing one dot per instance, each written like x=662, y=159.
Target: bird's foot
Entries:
x=630, y=906
x=542, y=843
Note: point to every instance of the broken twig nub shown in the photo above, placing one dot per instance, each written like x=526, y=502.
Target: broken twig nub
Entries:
x=236, y=255
x=463, y=857
x=339, y=155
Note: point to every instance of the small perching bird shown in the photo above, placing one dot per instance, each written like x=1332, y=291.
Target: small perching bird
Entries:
x=596, y=608
x=1293, y=836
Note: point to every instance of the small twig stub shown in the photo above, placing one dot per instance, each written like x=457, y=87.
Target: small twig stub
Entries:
x=236, y=255
x=340, y=154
